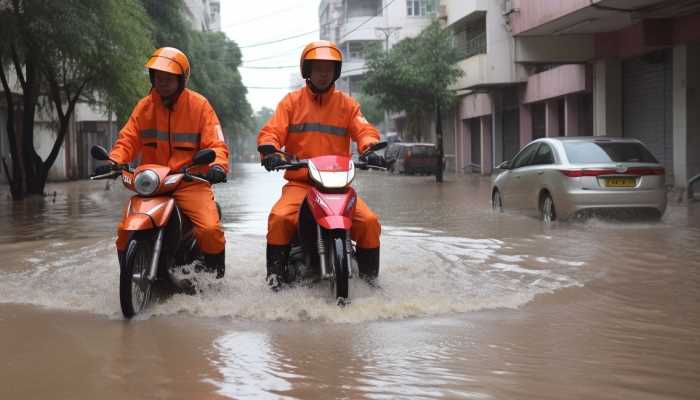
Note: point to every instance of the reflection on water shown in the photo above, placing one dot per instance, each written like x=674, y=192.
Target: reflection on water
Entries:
x=472, y=304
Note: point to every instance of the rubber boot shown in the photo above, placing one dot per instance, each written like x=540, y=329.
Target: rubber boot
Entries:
x=368, y=263
x=277, y=256
x=216, y=263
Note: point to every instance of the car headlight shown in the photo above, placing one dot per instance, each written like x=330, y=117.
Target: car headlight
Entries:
x=146, y=182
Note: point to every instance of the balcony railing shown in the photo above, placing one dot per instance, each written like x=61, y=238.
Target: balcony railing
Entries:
x=471, y=47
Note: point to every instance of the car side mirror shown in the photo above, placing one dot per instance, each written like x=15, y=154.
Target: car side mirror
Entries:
x=99, y=153
x=504, y=165
x=204, y=156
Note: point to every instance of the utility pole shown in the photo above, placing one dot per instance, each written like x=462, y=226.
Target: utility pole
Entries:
x=386, y=32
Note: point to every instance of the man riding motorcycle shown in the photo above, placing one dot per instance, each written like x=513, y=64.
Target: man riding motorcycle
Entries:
x=313, y=121
x=168, y=127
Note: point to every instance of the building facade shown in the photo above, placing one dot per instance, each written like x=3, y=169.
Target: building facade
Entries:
x=576, y=67
x=356, y=25
x=203, y=15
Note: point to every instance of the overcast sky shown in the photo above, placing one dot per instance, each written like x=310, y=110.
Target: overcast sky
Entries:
x=254, y=23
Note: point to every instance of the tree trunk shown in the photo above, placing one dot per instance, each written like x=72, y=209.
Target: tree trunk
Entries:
x=15, y=177
x=440, y=150
x=31, y=160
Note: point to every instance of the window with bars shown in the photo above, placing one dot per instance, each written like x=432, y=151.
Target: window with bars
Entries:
x=470, y=38
x=357, y=49
x=421, y=8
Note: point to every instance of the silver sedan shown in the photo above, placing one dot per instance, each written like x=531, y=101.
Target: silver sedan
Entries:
x=559, y=178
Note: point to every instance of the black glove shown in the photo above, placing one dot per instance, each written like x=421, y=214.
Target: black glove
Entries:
x=372, y=158
x=216, y=174
x=273, y=160
x=104, y=169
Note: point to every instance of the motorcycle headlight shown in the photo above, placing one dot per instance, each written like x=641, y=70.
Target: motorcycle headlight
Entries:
x=146, y=182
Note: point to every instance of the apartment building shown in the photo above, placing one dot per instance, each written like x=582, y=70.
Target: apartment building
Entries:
x=575, y=67
x=203, y=15
x=354, y=25
x=642, y=59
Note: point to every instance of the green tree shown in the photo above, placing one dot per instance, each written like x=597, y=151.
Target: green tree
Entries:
x=214, y=61
x=371, y=108
x=415, y=76
x=170, y=28
x=66, y=52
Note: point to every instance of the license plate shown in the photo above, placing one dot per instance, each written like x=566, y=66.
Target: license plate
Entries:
x=620, y=182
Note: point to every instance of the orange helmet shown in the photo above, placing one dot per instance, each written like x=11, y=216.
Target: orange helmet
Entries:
x=320, y=50
x=169, y=59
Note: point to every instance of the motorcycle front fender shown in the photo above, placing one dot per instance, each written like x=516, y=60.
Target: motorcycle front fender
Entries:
x=147, y=213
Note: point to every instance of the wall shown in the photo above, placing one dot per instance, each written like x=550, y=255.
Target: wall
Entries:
x=532, y=13
x=554, y=49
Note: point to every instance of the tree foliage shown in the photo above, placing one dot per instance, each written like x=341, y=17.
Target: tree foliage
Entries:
x=70, y=51
x=214, y=62
x=371, y=108
x=415, y=77
x=66, y=51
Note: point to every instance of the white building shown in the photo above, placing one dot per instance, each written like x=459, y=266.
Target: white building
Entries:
x=356, y=24
x=204, y=15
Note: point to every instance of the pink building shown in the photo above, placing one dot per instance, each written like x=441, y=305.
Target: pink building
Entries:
x=538, y=68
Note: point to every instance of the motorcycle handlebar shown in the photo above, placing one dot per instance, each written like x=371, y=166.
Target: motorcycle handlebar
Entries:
x=293, y=165
x=304, y=163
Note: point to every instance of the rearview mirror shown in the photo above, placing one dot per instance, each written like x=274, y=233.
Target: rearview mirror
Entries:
x=204, y=156
x=99, y=153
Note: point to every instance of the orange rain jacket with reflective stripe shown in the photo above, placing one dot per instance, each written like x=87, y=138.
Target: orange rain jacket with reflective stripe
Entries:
x=171, y=137
x=308, y=125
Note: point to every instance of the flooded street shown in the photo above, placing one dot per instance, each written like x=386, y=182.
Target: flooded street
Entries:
x=472, y=305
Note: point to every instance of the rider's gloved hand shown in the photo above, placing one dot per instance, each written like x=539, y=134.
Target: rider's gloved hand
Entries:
x=105, y=168
x=274, y=160
x=372, y=158
x=216, y=174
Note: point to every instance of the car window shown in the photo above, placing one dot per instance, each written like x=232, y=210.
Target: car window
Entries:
x=523, y=157
x=544, y=155
x=605, y=152
x=422, y=150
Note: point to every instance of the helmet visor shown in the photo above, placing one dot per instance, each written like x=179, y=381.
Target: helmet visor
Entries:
x=323, y=53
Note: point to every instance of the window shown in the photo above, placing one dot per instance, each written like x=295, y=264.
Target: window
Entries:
x=357, y=49
x=470, y=38
x=544, y=156
x=363, y=8
x=522, y=159
x=420, y=8
x=602, y=152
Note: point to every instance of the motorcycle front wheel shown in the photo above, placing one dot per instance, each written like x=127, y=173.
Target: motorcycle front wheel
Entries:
x=134, y=286
x=341, y=268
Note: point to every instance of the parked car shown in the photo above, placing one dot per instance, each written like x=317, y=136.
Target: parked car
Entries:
x=561, y=177
x=411, y=158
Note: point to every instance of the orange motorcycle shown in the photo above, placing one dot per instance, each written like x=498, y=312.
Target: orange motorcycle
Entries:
x=160, y=234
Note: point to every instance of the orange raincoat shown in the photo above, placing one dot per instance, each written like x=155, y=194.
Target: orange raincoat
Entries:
x=171, y=137
x=307, y=124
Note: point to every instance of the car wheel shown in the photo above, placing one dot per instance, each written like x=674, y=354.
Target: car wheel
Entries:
x=547, y=210
x=496, y=202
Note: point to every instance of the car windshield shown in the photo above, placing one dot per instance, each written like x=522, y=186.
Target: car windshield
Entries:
x=605, y=152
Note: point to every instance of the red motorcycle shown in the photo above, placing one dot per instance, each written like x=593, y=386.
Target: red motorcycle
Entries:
x=322, y=248
x=161, y=236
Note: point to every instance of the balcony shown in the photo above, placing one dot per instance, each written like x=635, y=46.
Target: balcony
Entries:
x=547, y=17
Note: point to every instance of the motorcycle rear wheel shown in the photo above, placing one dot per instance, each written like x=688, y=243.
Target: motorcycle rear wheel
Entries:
x=134, y=286
x=342, y=272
